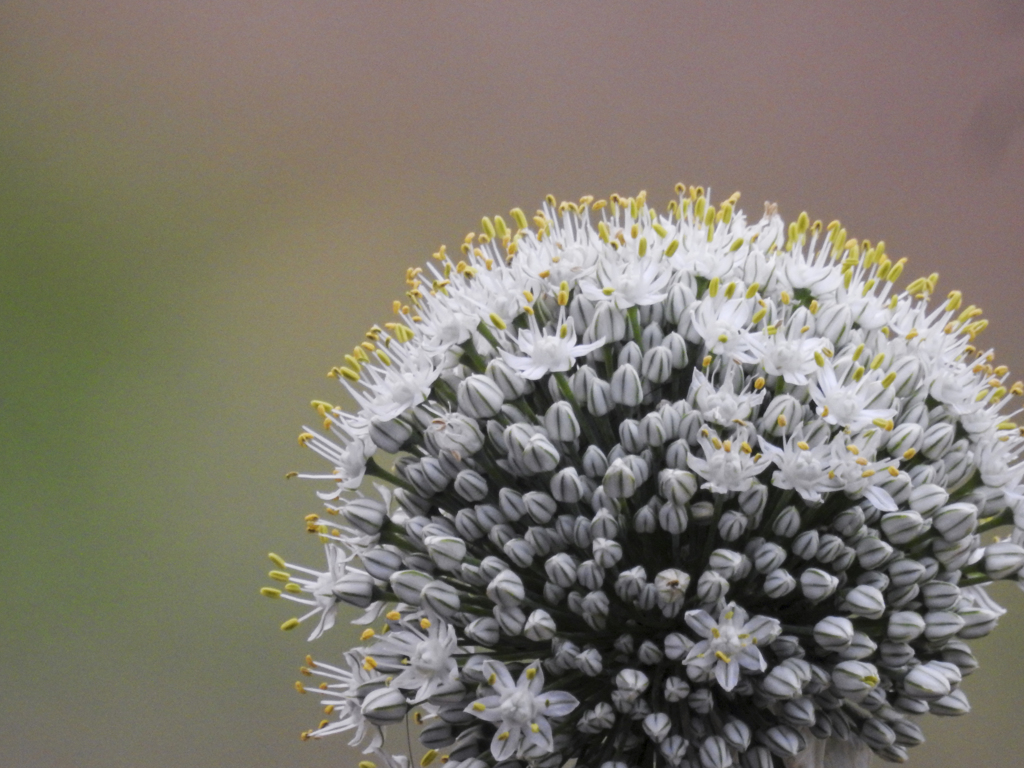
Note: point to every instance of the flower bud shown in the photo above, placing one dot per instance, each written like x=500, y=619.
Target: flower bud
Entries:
x=539, y=506
x=805, y=546
x=732, y=525
x=768, y=557
x=595, y=463
x=956, y=521
x=905, y=626
x=671, y=585
x=779, y=583
x=954, y=555
x=381, y=563
x=590, y=575
x=619, y=481
x=1003, y=559
x=599, y=397
x=560, y=422
x=725, y=562
x=711, y=587
x=978, y=622
x=714, y=753
x=674, y=749
x=649, y=653
x=677, y=645
x=783, y=741
x=787, y=524
x=506, y=589
x=608, y=323
x=953, y=705
x=483, y=631
x=479, y=397
x=833, y=633
x=629, y=583
x=782, y=683
x=854, y=679
x=440, y=598
x=816, y=584
x=872, y=553
x=511, y=620
x=902, y=527
x=384, y=706
x=781, y=416
x=865, y=601
x=672, y=518
x=626, y=386
x=940, y=595
x=657, y=726
x=470, y=485
x=539, y=626
x=905, y=572
x=926, y=682
x=645, y=520
x=595, y=610
x=861, y=647
x=407, y=585
x=937, y=440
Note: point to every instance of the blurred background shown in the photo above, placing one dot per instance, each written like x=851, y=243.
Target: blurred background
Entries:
x=204, y=205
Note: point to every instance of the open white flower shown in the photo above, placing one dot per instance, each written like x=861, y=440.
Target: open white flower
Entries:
x=730, y=644
x=521, y=710
x=544, y=353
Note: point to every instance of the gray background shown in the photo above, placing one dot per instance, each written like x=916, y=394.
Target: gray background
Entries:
x=204, y=205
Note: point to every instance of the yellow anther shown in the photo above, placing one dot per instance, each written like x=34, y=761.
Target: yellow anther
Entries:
x=534, y=727
x=366, y=764
x=299, y=686
x=867, y=473
x=758, y=316
x=862, y=461
x=425, y=623
x=759, y=383
x=305, y=437
x=722, y=656
x=781, y=421
x=909, y=454
x=290, y=624
x=1017, y=388
x=369, y=663
x=500, y=228
x=813, y=308
x=531, y=673
x=771, y=330
x=519, y=218
x=270, y=592
x=717, y=443
x=367, y=634
x=819, y=359
x=706, y=361
x=642, y=247
x=280, y=575
x=492, y=679
x=713, y=286
x=292, y=588
x=497, y=322
x=785, y=297
x=751, y=291
x=894, y=472
x=276, y=560
x=290, y=475
x=736, y=245
x=429, y=756
x=608, y=290
x=730, y=289
x=306, y=671
x=563, y=298
x=672, y=248
x=727, y=445
x=858, y=373
x=824, y=411
x=803, y=446
x=889, y=379
x=503, y=736
x=886, y=424
x=478, y=707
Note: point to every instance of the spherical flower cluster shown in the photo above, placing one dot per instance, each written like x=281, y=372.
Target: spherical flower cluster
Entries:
x=669, y=489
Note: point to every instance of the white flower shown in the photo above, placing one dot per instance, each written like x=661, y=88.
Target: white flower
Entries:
x=724, y=326
x=801, y=467
x=521, y=710
x=626, y=283
x=429, y=660
x=846, y=404
x=727, y=466
x=729, y=645
x=545, y=353
x=791, y=358
x=724, y=405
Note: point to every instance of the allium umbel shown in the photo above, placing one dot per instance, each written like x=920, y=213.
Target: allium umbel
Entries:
x=668, y=490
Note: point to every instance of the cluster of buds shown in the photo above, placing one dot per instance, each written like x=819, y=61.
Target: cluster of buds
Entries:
x=669, y=489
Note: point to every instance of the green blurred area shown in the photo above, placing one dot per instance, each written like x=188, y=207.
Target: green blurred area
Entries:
x=201, y=210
